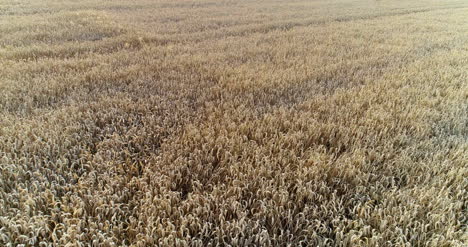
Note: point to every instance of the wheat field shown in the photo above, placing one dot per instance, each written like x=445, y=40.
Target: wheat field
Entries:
x=234, y=123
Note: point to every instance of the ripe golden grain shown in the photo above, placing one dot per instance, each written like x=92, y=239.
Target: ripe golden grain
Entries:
x=233, y=123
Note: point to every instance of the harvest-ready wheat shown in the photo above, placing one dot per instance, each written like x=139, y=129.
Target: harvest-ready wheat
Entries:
x=233, y=123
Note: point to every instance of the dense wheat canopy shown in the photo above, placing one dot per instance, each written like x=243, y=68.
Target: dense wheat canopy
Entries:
x=233, y=123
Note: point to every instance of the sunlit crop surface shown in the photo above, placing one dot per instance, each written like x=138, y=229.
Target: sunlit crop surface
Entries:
x=233, y=123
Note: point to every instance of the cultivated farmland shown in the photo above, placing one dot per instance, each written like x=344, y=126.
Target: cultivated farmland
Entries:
x=233, y=123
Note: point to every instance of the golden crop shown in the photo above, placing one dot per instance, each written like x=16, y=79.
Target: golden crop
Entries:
x=233, y=123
